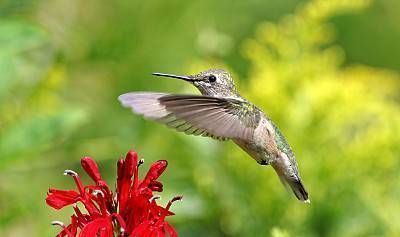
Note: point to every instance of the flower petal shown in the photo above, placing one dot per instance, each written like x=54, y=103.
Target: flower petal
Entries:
x=129, y=164
x=154, y=172
x=142, y=229
x=126, y=169
x=61, y=198
x=133, y=208
x=170, y=230
x=161, y=233
x=156, y=186
x=91, y=168
x=100, y=227
x=136, y=211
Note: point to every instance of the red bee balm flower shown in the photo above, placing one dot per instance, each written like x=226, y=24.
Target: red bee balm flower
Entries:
x=131, y=211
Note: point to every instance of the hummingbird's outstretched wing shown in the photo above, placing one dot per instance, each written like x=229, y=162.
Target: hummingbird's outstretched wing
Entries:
x=220, y=118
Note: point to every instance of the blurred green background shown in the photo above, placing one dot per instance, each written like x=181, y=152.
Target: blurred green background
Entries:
x=327, y=72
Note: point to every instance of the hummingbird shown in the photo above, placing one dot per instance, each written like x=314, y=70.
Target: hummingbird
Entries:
x=221, y=113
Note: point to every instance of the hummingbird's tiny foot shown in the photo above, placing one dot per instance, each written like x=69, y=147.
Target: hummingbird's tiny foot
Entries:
x=307, y=201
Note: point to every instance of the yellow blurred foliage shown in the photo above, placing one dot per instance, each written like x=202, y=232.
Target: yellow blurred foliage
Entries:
x=343, y=121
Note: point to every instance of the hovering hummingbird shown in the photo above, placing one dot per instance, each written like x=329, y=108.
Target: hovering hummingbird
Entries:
x=221, y=113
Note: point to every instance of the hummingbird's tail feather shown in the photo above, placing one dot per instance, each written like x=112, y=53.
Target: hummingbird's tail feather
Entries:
x=296, y=186
x=299, y=190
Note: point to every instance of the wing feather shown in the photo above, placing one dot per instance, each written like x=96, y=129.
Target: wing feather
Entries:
x=219, y=118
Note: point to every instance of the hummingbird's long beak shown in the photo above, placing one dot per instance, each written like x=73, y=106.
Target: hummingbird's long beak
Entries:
x=186, y=78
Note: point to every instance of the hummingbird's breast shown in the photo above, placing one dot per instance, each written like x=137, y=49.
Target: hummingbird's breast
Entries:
x=262, y=147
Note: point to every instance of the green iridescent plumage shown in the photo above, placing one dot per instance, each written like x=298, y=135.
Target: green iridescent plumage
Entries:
x=284, y=146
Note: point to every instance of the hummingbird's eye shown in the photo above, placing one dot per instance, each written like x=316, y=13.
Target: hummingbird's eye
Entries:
x=212, y=78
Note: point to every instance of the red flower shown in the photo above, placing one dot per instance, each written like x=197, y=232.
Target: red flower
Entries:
x=130, y=211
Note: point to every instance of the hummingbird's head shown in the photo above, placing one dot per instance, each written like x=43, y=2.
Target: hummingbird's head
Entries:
x=213, y=82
